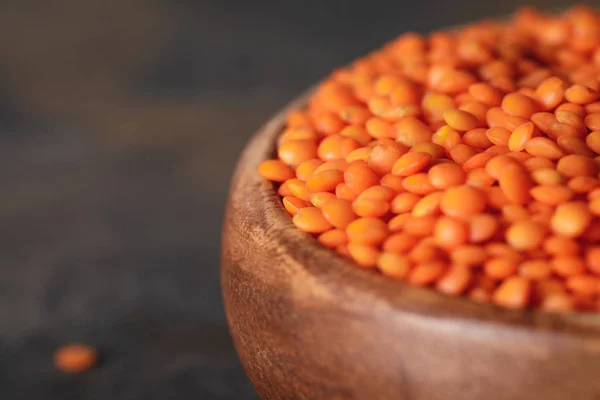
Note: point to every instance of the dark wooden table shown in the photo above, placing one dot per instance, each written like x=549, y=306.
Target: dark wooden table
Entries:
x=120, y=122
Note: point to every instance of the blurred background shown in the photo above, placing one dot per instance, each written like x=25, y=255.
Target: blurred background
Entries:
x=120, y=123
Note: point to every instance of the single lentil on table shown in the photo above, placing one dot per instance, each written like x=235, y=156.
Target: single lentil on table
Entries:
x=466, y=161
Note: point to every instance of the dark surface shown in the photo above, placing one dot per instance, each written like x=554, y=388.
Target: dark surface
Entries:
x=120, y=122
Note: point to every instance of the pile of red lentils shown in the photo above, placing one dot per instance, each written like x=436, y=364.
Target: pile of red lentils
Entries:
x=465, y=161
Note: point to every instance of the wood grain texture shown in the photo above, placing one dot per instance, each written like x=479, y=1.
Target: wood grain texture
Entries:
x=308, y=324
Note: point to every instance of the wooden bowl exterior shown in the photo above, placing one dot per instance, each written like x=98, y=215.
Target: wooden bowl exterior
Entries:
x=308, y=324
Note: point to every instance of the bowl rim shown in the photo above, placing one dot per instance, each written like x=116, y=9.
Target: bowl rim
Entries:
x=341, y=274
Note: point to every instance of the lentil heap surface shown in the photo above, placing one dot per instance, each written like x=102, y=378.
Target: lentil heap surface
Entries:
x=467, y=161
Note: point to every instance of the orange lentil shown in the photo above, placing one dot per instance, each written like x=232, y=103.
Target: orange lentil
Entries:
x=468, y=254
x=298, y=189
x=499, y=135
x=552, y=194
x=342, y=165
x=565, y=265
x=393, y=182
x=460, y=120
x=480, y=178
x=357, y=133
x=293, y=204
x=461, y=153
x=328, y=123
x=284, y=189
x=300, y=133
x=382, y=158
x=485, y=93
x=339, y=213
x=543, y=121
x=574, y=145
x=455, y=281
x=535, y=270
x=364, y=255
x=468, y=162
x=462, y=202
x=477, y=109
x=362, y=153
x=550, y=93
x=394, y=265
x=355, y=114
x=543, y=147
x=294, y=152
x=594, y=194
x=371, y=231
x=500, y=268
x=547, y=176
x=379, y=128
x=418, y=184
x=497, y=149
x=477, y=161
x=514, y=292
x=359, y=176
x=525, y=235
x=298, y=119
x=333, y=238
x=518, y=156
x=449, y=80
x=404, y=202
x=276, y=171
x=535, y=76
x=515, y=183
x=377, y=192
x=577, y=165
x=580, y=94
x=520, y=136
x=447, y=175
x=434, y=105
x=503, y=250
x=515, y=213
x=447, y=137
x=497, y=165
x=518, y=105
x=370, y=207
x=576, y=109
x=451, y=232
x=496, y=198
x=311, y=219
x=435, y=150
x=426, y=273
x=477, y=138
x=400, y=243
x=305, y=169
x=583, y=284
x=583, y=184
x=411, y=163
x=325, y=181
x=420, y=226
x=411, y=131
x=570, y=118
x=593, y=141
x=428, y=205
x=342, y=191
x=535, y=163
x=75, y=358
x=396, y=224
x=336, y=147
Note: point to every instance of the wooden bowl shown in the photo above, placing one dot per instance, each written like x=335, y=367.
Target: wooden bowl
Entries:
x=308, y=324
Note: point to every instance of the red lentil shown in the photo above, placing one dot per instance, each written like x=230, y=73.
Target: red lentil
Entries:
x=75, y=358
x=468, y=162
